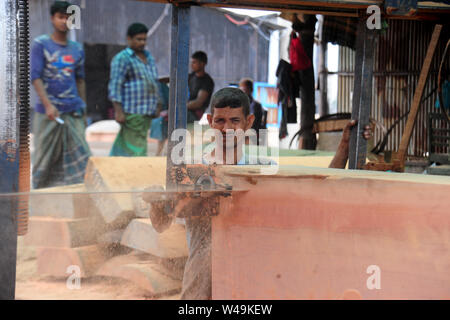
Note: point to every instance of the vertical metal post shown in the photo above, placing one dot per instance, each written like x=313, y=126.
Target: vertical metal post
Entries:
x=9, y=147
x=362, y=93
x=179, y=67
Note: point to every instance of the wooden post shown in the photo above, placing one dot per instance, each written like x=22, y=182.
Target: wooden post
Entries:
x=399, y=160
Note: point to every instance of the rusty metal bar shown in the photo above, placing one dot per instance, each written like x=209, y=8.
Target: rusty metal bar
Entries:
x=9, y=147
x=179, y=64
x=362, y=94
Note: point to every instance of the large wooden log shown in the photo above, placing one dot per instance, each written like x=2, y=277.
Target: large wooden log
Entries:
x=55, y=261
x=143, y=270
x=115, y=179
x=70, y=202
x=141, y=235
x=313, y=233
x=63, y=232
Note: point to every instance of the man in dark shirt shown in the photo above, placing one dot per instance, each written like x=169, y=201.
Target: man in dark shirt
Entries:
x=246, y=85
x=201, y=87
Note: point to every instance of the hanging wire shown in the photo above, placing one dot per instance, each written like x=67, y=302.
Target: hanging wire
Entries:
x=159, y=21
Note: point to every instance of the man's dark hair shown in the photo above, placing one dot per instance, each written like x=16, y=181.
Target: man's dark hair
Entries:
x=248, y=83
x=200, y=56
x=230, y=97
x=59, y=6
x=136, y=28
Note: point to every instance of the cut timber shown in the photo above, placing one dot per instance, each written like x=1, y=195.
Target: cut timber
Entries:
x=310, y=233
x=320, y=161
x=122, y=175
x=55, y=261
x=144, y=271
x=330, y=125
x=141, y=235
x=60, y=202
x=69, y=233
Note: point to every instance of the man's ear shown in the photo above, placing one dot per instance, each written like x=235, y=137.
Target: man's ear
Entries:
x=209, y=117
x=250, y=120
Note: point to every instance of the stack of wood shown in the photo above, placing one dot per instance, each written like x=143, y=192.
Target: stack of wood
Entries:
x=102, y=226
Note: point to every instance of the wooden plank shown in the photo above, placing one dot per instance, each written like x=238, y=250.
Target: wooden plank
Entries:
x=55, y=261
x=122, y=175
x=299, y=172
x=300, y=245
x=330, y=125
x=69, y=233
x=294, y=4
x=141, y=235
x=60, y=202
x=406, y=137
x=142, y=270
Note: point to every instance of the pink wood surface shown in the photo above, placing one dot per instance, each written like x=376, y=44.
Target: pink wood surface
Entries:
x=314, y=238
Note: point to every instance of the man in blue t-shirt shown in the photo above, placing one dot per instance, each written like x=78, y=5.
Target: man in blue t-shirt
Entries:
x=57, y=74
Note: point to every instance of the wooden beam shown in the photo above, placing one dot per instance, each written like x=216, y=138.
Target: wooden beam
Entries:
x=299, y=245
x=406, y=137
x=280, y=4
x=330, y=125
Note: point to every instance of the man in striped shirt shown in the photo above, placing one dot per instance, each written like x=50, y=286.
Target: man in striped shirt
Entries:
x=134, y=92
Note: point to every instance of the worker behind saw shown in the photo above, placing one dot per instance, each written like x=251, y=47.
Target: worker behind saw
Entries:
x=230, y=109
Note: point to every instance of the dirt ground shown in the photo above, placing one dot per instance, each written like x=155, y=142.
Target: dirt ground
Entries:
x=32, y=286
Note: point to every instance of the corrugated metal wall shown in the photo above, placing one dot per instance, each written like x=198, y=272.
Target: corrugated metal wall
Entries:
x=398, y=61
x=233, y=51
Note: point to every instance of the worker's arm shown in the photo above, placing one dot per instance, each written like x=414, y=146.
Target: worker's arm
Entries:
x=119, y=115
x=158, y=216
x=198, y=103
x=340, y=158
x=50, y=109
x=184, y=206
x=119, y=69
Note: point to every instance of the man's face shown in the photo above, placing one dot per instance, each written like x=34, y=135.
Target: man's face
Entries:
x=197, y=66
x=227, y=118
x=59, y=21
x=137, y=42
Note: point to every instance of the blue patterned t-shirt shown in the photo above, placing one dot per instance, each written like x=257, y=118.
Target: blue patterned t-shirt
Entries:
x=58, y=66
